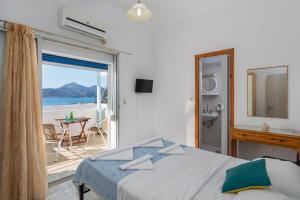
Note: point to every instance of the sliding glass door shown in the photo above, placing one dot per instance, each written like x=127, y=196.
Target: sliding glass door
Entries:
x=78, y=88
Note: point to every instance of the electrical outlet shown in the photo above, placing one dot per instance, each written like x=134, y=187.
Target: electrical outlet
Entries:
x=124, y=101
x=191, y=97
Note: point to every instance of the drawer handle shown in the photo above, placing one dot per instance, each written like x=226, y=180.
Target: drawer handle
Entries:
x=244, y=135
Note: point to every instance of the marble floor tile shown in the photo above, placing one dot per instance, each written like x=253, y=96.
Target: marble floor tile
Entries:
x=67, y=191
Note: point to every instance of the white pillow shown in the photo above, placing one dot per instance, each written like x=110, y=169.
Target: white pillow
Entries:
x=261, y=195
x=284, y=177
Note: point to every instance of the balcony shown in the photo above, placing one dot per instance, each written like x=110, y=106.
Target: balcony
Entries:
x=69, y=158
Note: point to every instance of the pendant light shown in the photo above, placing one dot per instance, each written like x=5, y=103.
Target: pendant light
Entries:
x=139, y=12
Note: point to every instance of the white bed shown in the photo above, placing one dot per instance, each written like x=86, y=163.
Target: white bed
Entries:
x=197, y=175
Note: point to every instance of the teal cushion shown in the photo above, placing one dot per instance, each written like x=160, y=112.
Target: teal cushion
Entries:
x=251, y=175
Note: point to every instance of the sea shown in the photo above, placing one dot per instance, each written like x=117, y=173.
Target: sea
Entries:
x=53, y=101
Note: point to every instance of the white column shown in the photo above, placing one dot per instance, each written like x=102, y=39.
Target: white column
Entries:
x=99, y=92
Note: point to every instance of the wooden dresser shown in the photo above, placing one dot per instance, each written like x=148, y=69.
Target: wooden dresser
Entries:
x=283, y=138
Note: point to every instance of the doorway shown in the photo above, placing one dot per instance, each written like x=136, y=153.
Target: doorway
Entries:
x=214, y=99
x=78, y=88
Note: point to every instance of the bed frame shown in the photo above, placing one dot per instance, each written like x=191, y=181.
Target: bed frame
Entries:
x=82, y=191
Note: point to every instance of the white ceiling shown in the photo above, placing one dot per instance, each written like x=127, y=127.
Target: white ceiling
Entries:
x=126, y=4
x=168, y=11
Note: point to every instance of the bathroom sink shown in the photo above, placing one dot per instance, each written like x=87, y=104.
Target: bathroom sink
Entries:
x=209, y=116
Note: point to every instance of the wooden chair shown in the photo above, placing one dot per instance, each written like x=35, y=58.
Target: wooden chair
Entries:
x=52, y=137
x=100, y=128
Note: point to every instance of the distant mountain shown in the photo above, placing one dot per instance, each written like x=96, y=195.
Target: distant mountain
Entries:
x=74, y=90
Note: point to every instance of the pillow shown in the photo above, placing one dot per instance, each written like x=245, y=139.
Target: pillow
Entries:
x=261, y=195
x=246, y=176
x=284, y=176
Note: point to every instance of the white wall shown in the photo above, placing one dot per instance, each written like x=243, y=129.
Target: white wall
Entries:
x=123, y=35
x=263, y=33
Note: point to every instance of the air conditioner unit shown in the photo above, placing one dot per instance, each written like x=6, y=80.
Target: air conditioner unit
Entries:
x=74, y=20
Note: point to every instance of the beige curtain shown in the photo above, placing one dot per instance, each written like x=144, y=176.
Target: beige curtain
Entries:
x=23, y=174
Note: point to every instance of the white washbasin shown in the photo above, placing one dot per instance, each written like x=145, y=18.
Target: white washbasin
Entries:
x=209, y=116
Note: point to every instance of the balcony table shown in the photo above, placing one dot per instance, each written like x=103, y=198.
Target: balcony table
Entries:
x=81, y=120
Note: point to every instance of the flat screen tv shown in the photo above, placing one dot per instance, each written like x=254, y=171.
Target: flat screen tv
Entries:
x=143, y=86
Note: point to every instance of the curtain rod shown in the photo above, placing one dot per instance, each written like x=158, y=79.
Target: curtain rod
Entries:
x=47, y=36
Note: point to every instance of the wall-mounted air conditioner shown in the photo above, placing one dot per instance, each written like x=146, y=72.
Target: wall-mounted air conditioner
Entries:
x=81, y=22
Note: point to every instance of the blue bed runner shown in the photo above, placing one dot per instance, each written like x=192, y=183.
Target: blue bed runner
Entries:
x=102, y=176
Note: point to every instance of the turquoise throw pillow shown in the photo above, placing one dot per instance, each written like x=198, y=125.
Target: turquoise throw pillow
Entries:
x=251, y=175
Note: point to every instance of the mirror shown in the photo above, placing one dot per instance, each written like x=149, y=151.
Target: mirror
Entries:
x=268, y=92
x=209, y=84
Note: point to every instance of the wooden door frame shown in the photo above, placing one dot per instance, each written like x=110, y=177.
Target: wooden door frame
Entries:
x=230, y=53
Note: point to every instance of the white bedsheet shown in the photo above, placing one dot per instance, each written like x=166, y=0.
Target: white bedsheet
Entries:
x=140, y=163
x=179, y=177
x=212, y=190
x=124, y=153
x=175, y=149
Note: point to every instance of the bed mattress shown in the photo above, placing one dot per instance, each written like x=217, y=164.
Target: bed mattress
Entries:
x=197, y=174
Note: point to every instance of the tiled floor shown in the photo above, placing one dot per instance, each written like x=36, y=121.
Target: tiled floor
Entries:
x=70, y=159
x=60, y=173
x=67, y=191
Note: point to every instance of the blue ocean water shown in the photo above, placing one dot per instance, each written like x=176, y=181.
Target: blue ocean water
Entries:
x=52, y=101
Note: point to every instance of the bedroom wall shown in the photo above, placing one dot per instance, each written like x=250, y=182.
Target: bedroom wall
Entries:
x=123, y=35
x=263, y=33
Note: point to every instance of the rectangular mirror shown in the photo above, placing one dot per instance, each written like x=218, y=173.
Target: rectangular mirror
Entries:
x=268, y=92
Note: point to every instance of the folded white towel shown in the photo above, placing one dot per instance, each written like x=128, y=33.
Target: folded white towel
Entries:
x=151, y=142
x=143, y=163
x=174, y=149
x=124, y=153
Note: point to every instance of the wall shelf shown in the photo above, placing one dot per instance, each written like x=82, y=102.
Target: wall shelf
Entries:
x=210, y=94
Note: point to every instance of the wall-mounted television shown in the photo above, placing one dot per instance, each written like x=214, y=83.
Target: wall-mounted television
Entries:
x=143, y=86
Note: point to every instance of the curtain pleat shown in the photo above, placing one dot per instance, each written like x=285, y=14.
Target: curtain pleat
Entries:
x=23, y=175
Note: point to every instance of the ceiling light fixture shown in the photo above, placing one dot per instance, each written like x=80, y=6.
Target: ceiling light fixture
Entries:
x=139, y=12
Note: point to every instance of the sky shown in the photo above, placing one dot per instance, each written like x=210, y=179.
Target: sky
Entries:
x=57, y=76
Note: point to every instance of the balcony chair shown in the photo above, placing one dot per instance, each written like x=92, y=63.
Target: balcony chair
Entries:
x=99, y=128
x=53, y=137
